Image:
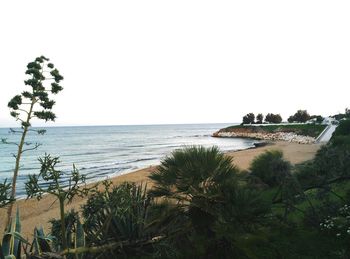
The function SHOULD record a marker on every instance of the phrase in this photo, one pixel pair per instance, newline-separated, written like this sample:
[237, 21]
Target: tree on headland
[340, 116]
[317, 118]
[259, 118]
[249, 118]
[299, 116]
[35, 103]
[273, 118]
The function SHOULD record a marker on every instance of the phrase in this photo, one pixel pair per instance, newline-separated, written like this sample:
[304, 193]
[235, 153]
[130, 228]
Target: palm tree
[199, 189]
[191, 178]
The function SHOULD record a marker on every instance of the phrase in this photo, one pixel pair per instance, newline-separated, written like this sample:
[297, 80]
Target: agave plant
[117, 222]
[53, 185]
[11, 246]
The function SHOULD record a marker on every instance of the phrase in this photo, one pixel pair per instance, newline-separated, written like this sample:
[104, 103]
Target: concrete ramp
[326, 135]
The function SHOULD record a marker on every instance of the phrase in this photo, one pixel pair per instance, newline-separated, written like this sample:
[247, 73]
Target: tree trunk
[18, 159]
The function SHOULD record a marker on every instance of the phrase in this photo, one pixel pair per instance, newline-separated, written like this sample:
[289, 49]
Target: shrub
[259, 118]
[204, 207]
[273, 118]
[118, 217]
[319, 118]
[249, 118]
[70, 220]
[343, 128]
[270, 167]
[299, 116]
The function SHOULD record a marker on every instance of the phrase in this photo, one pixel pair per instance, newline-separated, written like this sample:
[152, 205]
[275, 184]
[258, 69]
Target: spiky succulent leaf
[11, 244]
[79, 240]
[41, 243]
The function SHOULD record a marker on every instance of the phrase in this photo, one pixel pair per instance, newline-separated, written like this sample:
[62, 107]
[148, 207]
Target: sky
[160, 62]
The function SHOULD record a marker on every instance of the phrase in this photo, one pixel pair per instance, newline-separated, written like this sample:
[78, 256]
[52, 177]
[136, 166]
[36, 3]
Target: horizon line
[111, 125]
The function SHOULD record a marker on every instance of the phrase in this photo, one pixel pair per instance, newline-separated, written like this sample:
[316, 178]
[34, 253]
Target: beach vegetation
[35, 103]
[120, 222]
[270, 168]
[11, 245]
[49, 181]
[201, 205]
[343, 129]
[204, 204]
[5, 194]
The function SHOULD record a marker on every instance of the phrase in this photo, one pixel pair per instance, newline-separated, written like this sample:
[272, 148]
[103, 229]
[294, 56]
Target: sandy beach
[38, 213]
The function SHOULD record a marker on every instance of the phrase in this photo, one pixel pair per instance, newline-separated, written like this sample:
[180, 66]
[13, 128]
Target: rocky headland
[281, 133]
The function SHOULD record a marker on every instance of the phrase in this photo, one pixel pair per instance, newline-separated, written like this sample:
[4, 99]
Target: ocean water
[107, 151]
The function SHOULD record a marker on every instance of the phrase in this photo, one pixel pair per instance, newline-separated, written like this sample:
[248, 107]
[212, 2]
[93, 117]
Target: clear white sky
[150, 62]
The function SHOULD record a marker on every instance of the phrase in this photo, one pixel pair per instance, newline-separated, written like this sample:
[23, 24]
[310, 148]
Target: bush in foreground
[270, 167]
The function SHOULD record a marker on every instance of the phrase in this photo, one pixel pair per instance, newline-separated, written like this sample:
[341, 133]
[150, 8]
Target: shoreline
[38, 213]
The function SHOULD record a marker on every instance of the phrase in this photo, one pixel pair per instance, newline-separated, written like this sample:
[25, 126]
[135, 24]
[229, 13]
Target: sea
[102, 152]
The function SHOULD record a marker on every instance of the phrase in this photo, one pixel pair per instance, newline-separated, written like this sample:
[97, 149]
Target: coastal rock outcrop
[275, 136]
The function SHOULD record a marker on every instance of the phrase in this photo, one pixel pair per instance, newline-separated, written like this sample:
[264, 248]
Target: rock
[277, 136]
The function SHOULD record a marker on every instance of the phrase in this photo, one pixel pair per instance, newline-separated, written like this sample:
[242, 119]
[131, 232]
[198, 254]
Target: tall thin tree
[43, 80]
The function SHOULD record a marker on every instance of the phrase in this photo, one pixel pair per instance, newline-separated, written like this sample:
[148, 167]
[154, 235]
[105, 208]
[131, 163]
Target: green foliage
[119, 218]
[5, 197]
[318, 118]
[341, 116]
[15, 102]
[331, 162]
[71, 219]
[273, 118]
[203, 203]
[11, 246]
[300, 116]
[41, 243]
[260, 118]
[49, 181]
[249, 118]
[270, 167]
[341, 136]
[343, 128]
[38, 71]
[30, 104]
